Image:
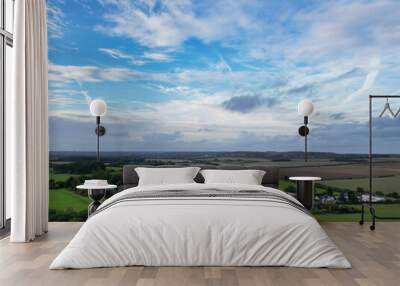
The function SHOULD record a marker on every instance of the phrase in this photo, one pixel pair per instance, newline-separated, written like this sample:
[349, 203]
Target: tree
[360, 190]
[342, 197]
[394, 195]
[52, 184]
[100, 174]
[329, 191]
[353, 198]
[79, 167]
[116, 179]
[320, 186]
[290, 189]
[72, 182]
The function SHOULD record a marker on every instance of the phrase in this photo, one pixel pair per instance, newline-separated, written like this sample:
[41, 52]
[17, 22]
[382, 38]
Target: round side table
[305, 190]
[96, 194]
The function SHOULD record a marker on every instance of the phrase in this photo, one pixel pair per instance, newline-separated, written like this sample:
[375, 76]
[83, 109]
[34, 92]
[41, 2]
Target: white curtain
[28, 123]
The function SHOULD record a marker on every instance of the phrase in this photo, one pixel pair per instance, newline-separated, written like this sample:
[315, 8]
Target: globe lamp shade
[98, 107]
[305, 107]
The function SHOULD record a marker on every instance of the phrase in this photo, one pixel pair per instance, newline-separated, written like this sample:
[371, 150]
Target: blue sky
[221, 75]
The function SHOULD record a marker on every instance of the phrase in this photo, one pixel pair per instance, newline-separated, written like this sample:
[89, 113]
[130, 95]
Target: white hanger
[387, 107]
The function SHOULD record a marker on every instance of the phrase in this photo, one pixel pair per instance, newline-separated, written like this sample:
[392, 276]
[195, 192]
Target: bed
[197, 224]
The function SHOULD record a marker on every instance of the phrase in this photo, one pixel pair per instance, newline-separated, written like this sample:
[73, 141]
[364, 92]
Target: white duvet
[193, 231]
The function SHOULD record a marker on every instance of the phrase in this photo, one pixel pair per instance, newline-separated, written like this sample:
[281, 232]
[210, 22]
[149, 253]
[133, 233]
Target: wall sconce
[98, 108]
[305, 108]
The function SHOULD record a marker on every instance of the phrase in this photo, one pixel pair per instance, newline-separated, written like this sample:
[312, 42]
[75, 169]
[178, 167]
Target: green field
[385, 185]
[62, 199]
[114, 169]
[283, 184]
[384, 210]
[61, 177]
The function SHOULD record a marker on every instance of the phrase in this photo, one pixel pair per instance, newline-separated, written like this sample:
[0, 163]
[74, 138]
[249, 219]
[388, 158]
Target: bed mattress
[201, 225]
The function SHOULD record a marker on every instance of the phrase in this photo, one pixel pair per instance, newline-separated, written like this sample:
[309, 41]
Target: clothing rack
[369, 205]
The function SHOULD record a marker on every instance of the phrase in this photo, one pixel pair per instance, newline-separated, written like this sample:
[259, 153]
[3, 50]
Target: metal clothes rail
[369, 204]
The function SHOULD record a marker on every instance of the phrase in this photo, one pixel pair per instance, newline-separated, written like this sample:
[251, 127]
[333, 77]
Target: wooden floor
[375, 257]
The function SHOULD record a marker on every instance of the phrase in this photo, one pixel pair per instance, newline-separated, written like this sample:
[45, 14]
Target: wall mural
[222, 76]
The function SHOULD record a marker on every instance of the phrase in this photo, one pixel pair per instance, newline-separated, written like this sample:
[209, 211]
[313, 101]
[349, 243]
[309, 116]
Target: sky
[211, 75]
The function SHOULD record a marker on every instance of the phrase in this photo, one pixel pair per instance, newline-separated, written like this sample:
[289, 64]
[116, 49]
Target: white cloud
[216, 76]
[136, 60]
[349, 27]
[373, 71]
[161, 57]
[333, 53]
[70, 73]
[222, 65]
[83, 92]
[117, 74]
[55, 20]
[180, 90]
[62, 96]
[170, 23]
[117, 54]
[198, 115]
[67, 73]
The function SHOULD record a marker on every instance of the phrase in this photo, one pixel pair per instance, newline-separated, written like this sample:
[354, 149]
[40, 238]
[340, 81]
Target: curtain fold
[28, 123]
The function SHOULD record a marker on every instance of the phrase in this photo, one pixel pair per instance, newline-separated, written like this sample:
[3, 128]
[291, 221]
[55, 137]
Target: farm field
[283, 184]
[341, 174]
[62, 199]
[114, 169]
[61, 177]
[385, 184]
[384, 210]
[342, 171]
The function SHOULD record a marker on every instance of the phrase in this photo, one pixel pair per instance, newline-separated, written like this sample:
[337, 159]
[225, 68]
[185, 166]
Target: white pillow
[248, 177]
[165, 176]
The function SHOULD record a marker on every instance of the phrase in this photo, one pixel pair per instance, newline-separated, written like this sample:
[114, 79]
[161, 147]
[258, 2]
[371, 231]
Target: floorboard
[375, 257]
